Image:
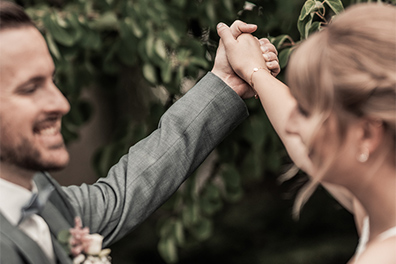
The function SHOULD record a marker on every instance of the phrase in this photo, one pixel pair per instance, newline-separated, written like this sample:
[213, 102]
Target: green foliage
[106, 43]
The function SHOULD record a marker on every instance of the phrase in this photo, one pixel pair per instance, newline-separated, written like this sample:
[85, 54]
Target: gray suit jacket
[149, 173]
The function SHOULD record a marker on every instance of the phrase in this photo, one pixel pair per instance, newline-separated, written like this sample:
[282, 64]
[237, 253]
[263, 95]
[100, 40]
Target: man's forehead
[15, 39]
[23, 55]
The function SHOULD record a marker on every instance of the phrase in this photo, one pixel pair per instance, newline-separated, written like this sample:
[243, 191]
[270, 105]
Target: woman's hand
[244, 53]
[270, 55]
[223, 69]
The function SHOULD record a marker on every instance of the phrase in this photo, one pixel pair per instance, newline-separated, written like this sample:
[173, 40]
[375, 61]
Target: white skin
[223, 69]
[31, 106]
[364, 188]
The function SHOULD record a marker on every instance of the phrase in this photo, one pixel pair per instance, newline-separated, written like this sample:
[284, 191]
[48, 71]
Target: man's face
[31, 106]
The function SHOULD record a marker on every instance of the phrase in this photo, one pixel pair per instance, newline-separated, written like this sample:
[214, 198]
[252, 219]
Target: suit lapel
[56, 223]
[57, 214]
[26, 246]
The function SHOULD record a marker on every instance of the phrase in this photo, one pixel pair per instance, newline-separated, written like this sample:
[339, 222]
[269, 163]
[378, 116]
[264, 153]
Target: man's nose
[57, 102]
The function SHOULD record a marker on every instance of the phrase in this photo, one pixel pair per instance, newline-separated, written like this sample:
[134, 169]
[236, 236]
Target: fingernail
[263, 48]
[220, 25]
[262, 42]
[266, 56]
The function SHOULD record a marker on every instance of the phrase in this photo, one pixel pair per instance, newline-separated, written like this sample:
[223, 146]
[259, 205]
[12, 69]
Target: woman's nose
[292, 122]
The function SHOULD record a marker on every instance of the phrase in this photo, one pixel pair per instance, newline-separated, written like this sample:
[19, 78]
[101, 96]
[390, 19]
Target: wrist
[253, 74]
[233, 81]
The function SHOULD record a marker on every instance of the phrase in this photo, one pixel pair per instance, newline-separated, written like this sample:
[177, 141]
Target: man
[31, 108]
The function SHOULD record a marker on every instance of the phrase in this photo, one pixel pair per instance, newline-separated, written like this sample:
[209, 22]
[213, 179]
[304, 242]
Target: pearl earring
[364, 156]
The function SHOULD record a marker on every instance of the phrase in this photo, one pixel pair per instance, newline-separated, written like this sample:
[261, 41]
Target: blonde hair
[349, 69]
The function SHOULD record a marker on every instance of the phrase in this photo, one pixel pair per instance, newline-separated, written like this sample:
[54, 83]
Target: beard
[25, 156]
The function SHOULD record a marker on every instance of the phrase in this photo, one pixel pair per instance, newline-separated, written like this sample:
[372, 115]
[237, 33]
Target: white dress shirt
[12, 198]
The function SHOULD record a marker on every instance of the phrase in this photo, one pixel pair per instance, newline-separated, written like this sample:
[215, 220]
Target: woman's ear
[372, 134]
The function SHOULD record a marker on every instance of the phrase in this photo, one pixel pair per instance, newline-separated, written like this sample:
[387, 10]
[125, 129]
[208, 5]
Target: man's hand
[223, 69]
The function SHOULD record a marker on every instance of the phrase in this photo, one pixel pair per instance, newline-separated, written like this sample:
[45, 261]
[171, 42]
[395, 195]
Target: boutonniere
[82, 246]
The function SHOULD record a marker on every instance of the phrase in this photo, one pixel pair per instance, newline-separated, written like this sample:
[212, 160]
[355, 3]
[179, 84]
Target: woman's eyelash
[302, 111]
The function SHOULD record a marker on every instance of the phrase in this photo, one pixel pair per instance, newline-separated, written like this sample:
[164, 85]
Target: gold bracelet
[251, 79]
[256, 70]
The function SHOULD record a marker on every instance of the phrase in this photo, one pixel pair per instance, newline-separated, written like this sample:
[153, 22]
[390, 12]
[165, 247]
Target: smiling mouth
[47, 130]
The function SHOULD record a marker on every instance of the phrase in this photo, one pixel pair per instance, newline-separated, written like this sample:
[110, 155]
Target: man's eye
[29, 89]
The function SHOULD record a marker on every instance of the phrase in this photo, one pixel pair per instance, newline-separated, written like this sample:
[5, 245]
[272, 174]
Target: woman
[338, 118]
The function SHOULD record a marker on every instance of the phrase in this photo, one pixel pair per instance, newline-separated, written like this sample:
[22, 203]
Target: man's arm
[156, 166]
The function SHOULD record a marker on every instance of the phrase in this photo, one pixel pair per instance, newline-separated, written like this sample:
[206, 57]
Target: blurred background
[122, 63]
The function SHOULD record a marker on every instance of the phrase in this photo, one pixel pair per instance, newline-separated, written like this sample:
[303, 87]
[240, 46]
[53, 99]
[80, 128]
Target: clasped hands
[239, 53]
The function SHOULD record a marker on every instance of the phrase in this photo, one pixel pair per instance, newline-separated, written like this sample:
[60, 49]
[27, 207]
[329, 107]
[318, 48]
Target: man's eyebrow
[35, 79]
[32, 80]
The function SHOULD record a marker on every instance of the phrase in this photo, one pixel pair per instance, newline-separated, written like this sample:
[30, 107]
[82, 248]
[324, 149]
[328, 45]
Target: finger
[274, 67]
[267, 46]
[239, 27]
[225, 34]
[264, 41]
[270, 56]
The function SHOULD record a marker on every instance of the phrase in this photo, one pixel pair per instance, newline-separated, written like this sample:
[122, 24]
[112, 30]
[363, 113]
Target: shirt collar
[12, 198]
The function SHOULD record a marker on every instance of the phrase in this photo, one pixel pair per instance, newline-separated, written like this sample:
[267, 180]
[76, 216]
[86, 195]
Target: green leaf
[64, 236]
[280, 40]
[166, 228]
[199, 61]
[168, 250]
[304, 26]
[315, 26]
[58, 32]
[335, 5]
[306, 10]
[149, 45]
[91, 39]
[228, 4]
[136, 29]
[52, 46]
[160, 49]
[231, 177]
[190, 214]
[203, 229]
[211, 199]
[210, 11]
[149, 73]
[166, 71]
[306, 16]
[179, 232]
[284, 56]
[106, 21]
[173, 34]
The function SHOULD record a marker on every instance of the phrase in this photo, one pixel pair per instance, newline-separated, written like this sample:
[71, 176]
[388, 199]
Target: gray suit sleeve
[156, 166]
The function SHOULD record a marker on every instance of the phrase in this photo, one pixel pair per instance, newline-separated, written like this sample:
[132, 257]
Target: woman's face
[321, 140]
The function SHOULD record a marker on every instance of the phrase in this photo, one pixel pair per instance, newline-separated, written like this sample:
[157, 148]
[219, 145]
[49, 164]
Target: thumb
[225, 34]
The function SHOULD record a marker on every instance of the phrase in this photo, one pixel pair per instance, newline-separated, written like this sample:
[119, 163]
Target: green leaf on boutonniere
[64, 238]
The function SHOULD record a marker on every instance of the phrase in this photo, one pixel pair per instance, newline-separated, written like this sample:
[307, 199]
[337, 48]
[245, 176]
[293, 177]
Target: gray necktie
[36, 204]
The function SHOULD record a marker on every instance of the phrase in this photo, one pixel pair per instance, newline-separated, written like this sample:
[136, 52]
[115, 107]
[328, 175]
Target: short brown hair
[13, 16]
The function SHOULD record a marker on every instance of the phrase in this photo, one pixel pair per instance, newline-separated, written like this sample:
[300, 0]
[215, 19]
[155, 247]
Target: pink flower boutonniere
[85, 248]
